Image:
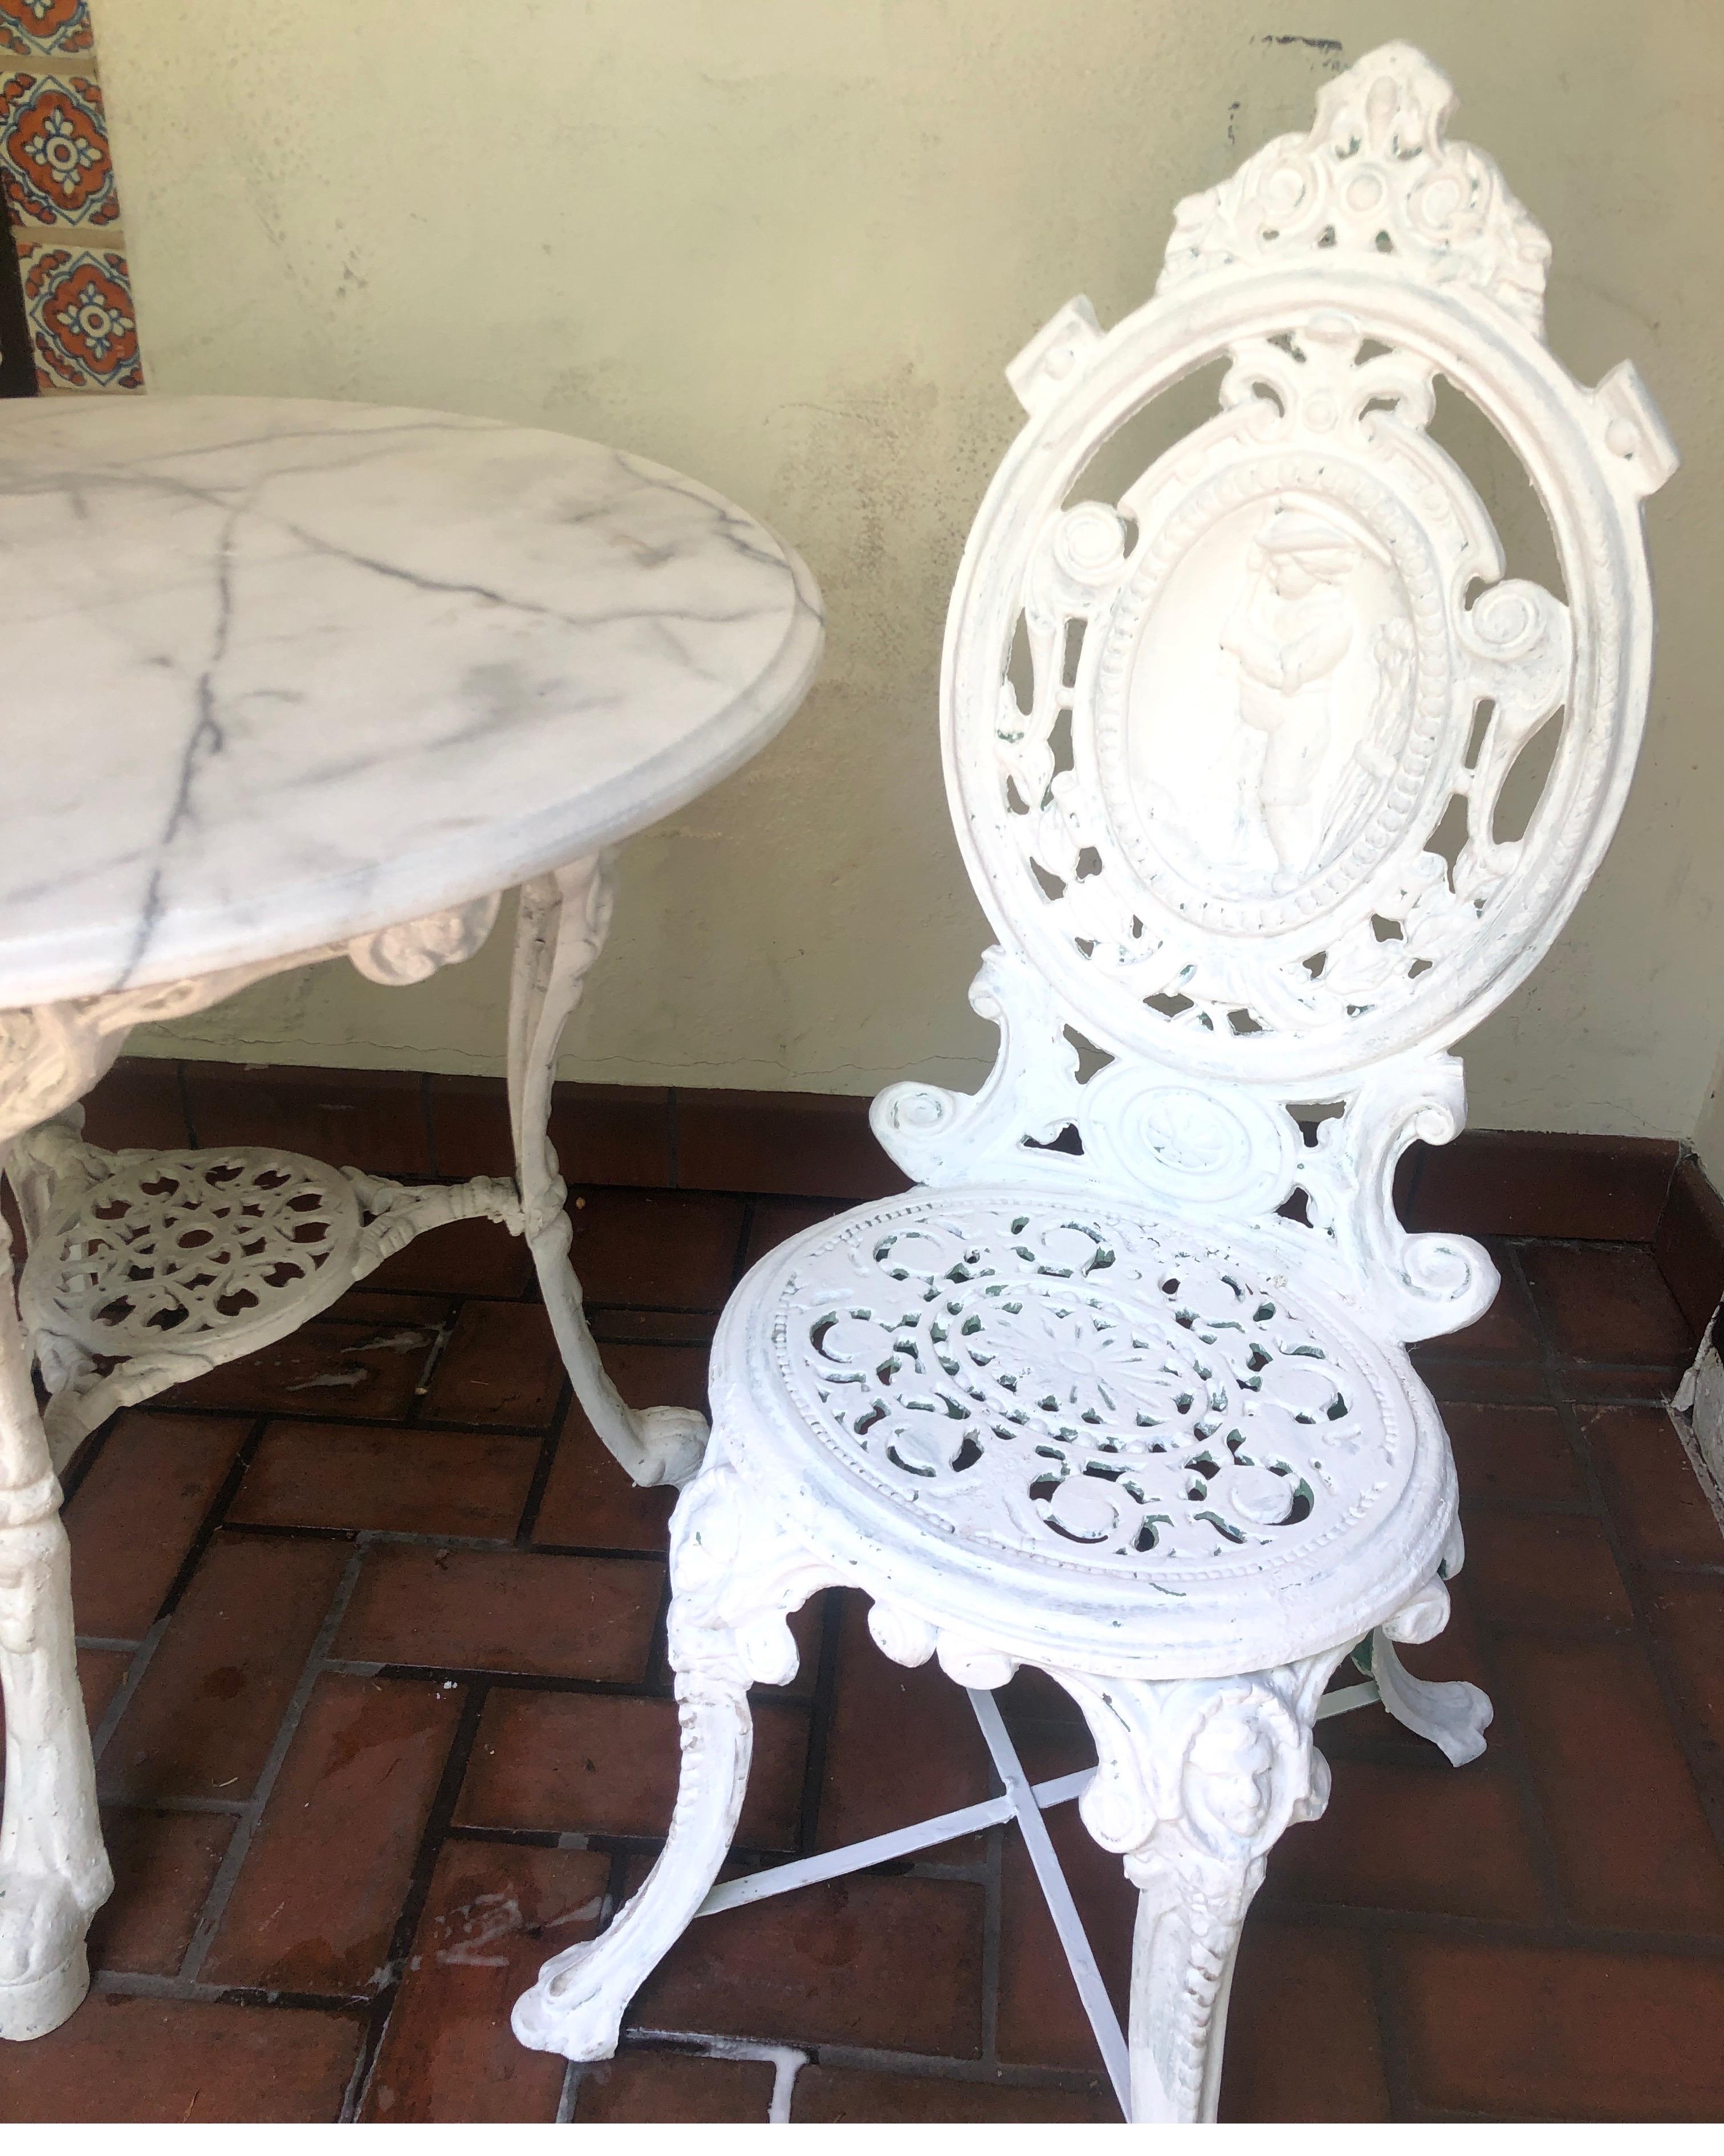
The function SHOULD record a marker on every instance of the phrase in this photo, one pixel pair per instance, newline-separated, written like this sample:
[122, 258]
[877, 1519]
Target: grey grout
[228, 1872]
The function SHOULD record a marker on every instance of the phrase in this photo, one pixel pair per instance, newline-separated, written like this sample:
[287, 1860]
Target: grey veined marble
[274, 673]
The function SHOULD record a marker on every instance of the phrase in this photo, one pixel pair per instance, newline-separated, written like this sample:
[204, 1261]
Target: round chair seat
[1070, 1428]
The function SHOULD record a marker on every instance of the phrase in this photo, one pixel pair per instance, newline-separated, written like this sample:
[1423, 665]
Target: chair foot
[1453, 1715]
[734, 1579]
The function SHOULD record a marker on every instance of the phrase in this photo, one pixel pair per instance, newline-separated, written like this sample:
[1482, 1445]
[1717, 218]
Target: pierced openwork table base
[147, 1268]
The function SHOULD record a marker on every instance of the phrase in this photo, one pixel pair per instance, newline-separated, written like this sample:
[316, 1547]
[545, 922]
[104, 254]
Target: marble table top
[275, 673]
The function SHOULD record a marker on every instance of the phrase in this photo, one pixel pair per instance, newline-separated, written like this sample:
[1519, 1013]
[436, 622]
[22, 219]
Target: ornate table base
[147, 1268]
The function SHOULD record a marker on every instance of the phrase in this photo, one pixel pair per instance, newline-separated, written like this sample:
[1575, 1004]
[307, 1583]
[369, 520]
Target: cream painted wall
[788, 245]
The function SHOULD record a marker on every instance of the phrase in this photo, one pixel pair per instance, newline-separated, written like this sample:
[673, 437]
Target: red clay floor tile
[404, 1481]
[1431, 1837]
[504, 1610]
[494, 1912]
[1526, 1182]
[466, 1257]
[1632, 1843]
[165, 1864]
[777, 1220]
[1689, 1244]
[204, 1717]
[499, 1366]
[374, 1119]
[1518, 1452]
[660, 1247]
[1542, 1568]
[817, 1144]
[137, 1511]
[1606, 1302]
[1302, 2040]
[846, 2095]
[650, 2085]
[579, 1763]
[612, 1134]
[101, 1671]
[1508, 1332]
[177, 2062]
[903, 1744]
[316, 1900]
[369, 1371]
[137, 1103]
[1042, 2021]
[1539, 2032]
[1453, 1377]
[894, 1963]
[1687, 1615]
[1654, 1494]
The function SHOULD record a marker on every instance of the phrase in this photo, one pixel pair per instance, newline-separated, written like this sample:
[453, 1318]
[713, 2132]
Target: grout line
[436, 1833]
[1391, 2047]
[185, 1091]
[549, 1446]
[128, 1683]
[911, 2065]
[136, 1983]
[821, 1706]
[992, 1919]
[89, 1451]
[228, 1872]
[207, 1526]
[745, 1237]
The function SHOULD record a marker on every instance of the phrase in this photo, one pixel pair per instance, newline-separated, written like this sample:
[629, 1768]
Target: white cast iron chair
[1118, 1413]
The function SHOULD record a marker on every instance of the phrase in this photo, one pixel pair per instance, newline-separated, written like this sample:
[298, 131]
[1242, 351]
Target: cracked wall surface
[787, 247]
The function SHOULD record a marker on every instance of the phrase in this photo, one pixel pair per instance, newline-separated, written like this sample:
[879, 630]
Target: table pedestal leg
[563, 921]
[54, 1871]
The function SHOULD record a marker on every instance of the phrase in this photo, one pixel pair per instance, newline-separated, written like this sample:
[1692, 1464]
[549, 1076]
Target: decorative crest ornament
[1375, 177]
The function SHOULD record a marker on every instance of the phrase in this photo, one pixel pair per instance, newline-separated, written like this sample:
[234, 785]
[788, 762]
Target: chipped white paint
[375, 666]
[1097, 1406]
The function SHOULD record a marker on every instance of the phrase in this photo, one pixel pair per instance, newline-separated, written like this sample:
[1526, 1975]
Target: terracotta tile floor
[374, 1645]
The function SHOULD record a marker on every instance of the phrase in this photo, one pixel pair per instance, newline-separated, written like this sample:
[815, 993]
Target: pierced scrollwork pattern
[1224, 802]
[1077, 1386]
[1375, 176]
[178, 1245]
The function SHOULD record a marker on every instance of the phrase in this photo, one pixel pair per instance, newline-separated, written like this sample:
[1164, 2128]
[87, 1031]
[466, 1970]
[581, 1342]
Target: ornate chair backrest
[1237, 823]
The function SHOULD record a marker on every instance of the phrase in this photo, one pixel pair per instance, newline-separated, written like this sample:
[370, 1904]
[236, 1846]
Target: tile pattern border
[62, 200]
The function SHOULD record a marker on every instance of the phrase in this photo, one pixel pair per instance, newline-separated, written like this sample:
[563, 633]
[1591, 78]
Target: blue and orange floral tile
[77, 301]
[45, 28]
[57, 181]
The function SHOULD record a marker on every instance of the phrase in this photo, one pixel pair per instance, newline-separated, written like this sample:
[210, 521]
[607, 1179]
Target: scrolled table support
[54, 1869]
[561, 929]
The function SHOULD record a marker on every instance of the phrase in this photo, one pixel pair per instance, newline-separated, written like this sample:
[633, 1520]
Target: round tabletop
[278, 673]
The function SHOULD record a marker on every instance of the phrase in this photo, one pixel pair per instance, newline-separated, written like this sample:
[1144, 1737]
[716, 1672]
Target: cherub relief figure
[1293, 626]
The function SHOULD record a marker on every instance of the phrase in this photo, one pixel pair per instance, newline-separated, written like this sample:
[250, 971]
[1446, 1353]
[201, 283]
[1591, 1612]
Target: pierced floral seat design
[1240, 761]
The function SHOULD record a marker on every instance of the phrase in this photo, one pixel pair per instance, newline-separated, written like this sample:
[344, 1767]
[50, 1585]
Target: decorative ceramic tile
[53, 151]
[78, 301]
[46, 27]
[58, 186]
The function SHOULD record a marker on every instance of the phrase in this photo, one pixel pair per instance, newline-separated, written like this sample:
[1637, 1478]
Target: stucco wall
[788, 245]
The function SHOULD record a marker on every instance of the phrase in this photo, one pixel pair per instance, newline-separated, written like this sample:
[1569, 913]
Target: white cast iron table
[282, 681]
